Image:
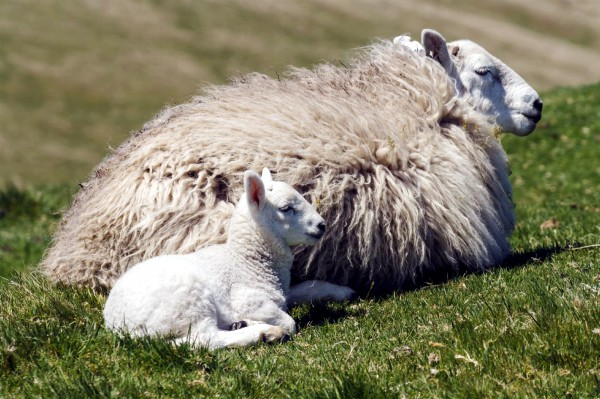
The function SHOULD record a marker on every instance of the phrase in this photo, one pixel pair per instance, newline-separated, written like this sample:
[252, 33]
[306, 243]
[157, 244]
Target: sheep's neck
[261, 252]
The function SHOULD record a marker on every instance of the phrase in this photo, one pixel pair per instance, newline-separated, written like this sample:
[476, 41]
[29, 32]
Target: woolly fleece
[410, 179]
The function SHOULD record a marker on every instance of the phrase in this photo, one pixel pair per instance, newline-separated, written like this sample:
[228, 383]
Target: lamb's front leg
[260, 312]
[214, 338]
[318, 290]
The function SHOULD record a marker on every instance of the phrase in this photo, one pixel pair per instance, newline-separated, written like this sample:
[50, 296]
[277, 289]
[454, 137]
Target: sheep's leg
[318, 290]
[214, 338]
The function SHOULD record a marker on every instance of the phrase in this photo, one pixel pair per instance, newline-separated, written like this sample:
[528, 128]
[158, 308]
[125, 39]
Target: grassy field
[76, 77]
[530, 328]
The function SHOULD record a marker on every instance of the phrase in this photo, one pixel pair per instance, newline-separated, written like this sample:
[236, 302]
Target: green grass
[530, 328]
[27, 218]
[77, 77]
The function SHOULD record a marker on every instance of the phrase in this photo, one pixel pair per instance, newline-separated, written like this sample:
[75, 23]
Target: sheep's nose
[321, 227]
[538, 104]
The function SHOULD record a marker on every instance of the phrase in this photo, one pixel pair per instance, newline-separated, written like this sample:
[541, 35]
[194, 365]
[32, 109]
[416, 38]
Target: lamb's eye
[286, 208]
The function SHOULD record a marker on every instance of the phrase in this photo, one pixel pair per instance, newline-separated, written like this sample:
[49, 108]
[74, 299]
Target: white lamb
[206, 297]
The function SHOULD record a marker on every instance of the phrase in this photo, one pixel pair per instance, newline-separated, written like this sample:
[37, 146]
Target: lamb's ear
[266, 176]
[255, 190]
[436, 48]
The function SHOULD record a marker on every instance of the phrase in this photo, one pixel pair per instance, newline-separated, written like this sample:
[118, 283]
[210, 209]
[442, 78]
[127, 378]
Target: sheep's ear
[255, 190]
[437, 48]
[266, 176]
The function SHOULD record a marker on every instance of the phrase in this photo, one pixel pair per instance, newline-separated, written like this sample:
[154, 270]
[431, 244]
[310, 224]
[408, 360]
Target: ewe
[398, 151]
[201, 296]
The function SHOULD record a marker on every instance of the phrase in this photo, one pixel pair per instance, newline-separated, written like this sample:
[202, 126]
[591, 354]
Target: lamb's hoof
[285, 338]
[237, 325]
[275, 335]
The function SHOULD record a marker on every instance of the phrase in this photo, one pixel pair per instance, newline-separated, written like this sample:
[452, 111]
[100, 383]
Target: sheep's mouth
[316, 236]
[535, 117]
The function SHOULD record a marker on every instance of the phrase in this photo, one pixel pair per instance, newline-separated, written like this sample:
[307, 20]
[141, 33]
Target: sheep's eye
[483, 71]
[286, 208]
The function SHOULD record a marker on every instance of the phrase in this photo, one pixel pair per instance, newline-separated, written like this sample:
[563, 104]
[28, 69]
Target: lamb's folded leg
[265, 312]
[318, 290]
[215, 338]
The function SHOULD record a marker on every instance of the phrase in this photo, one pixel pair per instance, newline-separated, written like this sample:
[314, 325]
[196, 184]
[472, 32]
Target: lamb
[199, 297]
[398, 150]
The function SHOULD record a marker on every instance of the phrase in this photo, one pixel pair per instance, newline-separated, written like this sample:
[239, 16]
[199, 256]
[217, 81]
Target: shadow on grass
[328, 312]
[431, 278]
[538, 255]
[320, 313]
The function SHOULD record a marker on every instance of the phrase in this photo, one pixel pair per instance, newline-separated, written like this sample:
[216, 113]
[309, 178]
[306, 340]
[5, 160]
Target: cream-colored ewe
[245, 282]
[399, 152]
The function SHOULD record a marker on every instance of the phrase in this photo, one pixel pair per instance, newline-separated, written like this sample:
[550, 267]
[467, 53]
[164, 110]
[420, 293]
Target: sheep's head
[282, 210]
[487, 83]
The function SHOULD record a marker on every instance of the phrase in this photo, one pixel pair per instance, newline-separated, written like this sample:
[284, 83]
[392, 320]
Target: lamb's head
[487, 83]
[282, 210]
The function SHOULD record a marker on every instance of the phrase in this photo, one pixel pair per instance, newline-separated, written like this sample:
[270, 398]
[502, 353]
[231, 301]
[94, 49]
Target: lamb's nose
[538, 104]
[321, 227]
